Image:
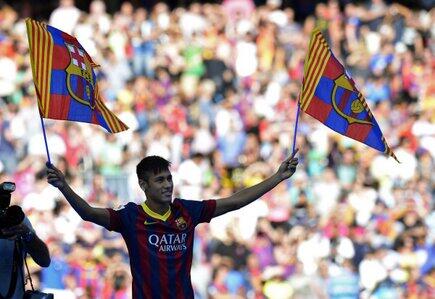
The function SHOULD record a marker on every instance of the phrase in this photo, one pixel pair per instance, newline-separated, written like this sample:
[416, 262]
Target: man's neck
[156, 207]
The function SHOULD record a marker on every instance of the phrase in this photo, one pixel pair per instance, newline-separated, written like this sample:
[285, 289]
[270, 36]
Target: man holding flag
[159, 232]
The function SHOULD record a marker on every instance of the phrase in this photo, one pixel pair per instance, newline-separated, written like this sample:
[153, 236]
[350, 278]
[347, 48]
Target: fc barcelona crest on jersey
[181, 223]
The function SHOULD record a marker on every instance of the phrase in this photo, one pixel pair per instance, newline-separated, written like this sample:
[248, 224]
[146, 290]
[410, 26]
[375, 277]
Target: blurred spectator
[66, 16]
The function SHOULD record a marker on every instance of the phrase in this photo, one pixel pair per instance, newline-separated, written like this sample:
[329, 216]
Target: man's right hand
[55, 177]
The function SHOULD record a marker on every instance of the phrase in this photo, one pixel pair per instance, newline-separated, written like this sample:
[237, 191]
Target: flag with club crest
[329, 95]
[65, 80]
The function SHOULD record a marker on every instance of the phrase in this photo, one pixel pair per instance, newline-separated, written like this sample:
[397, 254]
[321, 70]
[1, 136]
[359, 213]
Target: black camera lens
[9, 216]
[7, 186]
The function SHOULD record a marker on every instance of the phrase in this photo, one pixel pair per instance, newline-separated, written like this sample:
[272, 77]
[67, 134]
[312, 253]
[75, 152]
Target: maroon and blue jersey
[160, 246]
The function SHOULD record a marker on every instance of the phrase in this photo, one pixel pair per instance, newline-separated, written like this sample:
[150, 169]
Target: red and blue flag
[64, 78]
[329, 95]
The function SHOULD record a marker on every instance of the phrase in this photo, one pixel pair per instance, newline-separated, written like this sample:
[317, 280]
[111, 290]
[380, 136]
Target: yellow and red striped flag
[329, 95]
[64, 78]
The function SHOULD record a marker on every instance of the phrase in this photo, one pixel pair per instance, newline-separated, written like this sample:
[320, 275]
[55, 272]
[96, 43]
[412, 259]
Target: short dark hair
[154, 164]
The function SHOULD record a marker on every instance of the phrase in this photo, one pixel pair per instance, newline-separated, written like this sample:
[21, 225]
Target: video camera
[9, 215]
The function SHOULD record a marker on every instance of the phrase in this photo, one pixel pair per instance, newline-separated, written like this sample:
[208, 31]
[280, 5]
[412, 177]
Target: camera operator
[17, 237]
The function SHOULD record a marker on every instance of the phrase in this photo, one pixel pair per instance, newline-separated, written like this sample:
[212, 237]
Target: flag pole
[45, 139]
[296, 127]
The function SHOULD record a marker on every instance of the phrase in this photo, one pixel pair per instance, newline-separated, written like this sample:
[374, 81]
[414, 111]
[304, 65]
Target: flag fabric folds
[329, 95]
[64, 78]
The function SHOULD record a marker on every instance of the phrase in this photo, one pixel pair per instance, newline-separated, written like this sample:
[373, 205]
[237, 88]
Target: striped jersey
[161, 246]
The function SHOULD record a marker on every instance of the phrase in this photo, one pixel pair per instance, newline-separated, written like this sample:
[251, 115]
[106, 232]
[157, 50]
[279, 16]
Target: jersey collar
[155, 215]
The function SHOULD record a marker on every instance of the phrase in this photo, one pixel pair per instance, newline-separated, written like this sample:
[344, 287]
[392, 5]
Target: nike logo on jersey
[146, 222]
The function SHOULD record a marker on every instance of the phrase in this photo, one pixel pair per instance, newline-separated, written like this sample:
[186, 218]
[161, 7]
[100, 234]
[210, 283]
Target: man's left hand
[288, 167]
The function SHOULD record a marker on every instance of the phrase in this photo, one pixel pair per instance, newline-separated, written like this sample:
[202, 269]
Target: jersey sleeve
[200, 211]
[115, 222]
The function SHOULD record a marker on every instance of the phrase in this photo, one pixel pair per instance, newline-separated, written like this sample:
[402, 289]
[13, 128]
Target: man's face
[159, 186]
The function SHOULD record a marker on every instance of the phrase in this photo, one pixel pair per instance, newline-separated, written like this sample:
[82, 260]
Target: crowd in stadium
[213, 88]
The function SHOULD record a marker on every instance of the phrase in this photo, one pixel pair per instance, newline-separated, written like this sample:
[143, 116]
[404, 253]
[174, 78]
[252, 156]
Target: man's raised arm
[248, 195]
[99, 216]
